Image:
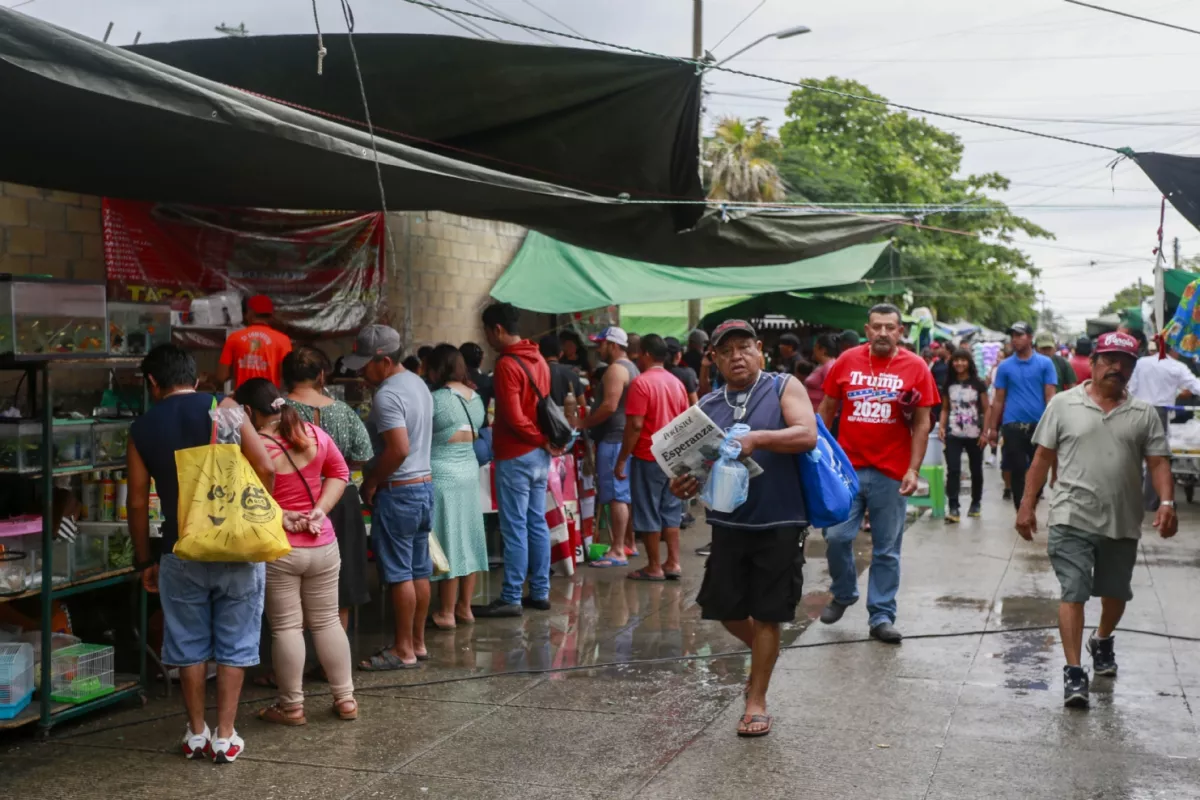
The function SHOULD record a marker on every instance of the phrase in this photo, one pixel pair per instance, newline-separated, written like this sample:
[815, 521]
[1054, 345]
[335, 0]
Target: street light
[787, 33]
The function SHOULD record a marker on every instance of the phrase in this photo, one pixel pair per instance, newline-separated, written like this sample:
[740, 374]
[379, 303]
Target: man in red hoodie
[522, 456]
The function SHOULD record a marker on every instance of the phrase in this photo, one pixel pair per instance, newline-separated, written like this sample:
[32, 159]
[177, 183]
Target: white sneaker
[226, 751]
[195, 745]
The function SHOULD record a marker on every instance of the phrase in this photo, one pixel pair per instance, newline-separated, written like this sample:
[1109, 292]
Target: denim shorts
[608, 488]
[654, 507]
[211, 611]
[401, 521]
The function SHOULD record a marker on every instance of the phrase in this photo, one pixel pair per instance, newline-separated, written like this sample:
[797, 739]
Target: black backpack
[551, 420]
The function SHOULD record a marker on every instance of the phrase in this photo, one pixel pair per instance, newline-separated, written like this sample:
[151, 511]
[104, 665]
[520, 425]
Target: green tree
[741, 162]
[1130, 296]
[846, 150]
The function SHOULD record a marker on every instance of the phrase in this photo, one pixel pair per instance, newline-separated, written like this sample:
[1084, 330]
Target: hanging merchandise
[1183, 334]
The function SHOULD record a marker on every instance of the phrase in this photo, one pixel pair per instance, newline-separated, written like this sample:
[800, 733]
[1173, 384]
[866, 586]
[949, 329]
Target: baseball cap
[725, 329]
[698, 336]
[673, 345]
[372, 341]
[1044, 339]
[1117, 342]
[1019, 327]
[612, 334]
[261, 304]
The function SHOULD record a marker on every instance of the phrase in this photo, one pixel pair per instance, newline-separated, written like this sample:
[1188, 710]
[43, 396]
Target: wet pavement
[621, 690]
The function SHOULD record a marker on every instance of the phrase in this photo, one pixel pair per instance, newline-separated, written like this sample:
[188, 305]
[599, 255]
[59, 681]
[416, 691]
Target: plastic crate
[16, 678]
[81, 673]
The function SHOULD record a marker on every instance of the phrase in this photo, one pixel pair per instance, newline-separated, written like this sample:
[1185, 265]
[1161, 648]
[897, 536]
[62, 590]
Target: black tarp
[1178, 178]
[82, 116]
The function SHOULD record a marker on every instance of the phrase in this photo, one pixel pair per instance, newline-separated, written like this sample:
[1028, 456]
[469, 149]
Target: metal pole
[47, 541]
[696, 307]
[1176, 261]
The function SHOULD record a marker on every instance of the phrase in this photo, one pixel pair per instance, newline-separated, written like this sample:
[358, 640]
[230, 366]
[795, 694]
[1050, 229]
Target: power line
[481, 33]
[546, 13]
[702, 66]
[1132, 16]
[492, 10]
[981, 60]
[733, 30]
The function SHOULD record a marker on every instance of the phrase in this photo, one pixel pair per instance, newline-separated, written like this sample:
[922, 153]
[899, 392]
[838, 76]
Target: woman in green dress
[457, 511]
[304, 373]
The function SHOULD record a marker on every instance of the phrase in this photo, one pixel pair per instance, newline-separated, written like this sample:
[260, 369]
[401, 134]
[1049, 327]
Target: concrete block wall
[455, 261]
[46, 232]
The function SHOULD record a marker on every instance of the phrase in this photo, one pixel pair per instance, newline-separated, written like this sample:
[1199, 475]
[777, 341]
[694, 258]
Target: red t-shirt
[1083, 367]
[873, 430]
[255, 352]
[658, 396]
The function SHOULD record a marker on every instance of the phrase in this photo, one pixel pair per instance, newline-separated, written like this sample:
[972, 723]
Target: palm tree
[740, 162]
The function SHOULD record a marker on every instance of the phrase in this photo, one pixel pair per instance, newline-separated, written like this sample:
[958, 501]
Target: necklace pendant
[739, 413]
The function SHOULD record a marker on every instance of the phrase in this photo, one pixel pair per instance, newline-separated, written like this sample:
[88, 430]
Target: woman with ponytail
[303, 585]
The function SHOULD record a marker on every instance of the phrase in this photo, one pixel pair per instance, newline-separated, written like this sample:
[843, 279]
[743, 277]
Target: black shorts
[757, 574]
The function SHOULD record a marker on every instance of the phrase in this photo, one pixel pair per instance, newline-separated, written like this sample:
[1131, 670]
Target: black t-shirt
[564, 381]
[941, 372]
[787, 363]
[687, 376]
[580, 362]
[693, 359]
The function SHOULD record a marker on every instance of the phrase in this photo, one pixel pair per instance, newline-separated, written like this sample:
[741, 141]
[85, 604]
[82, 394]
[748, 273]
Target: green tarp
[553, 277]
[803, 308]
[669, 317]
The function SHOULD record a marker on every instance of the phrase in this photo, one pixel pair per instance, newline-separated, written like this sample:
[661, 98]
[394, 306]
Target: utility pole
[696, 307]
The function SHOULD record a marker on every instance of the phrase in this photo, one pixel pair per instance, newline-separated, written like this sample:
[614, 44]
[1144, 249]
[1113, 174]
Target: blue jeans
[211, 611]
[521, 486]
[880, 495]
[403, 517]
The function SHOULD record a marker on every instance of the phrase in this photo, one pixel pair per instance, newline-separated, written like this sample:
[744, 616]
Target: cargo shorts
[1090, 565]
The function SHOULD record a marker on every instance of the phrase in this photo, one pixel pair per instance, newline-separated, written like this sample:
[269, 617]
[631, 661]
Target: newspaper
[689, 444]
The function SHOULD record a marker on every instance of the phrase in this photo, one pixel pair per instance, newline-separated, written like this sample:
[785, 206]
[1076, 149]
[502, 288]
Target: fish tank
[72, 443]
[134, 329]
[21, 445]
[110, 441]
[43, 318]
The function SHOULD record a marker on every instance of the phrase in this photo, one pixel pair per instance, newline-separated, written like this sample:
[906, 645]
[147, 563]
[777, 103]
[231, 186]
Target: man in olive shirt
[1067, 379]
[1099, 435]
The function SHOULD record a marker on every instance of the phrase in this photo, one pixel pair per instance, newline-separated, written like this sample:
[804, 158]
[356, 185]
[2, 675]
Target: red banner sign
[325, 271]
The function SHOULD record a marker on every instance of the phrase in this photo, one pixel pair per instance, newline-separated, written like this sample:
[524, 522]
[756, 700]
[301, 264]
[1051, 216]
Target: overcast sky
[1131, 83]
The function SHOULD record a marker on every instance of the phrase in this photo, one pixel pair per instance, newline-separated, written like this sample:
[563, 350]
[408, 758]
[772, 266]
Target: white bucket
[934, 456]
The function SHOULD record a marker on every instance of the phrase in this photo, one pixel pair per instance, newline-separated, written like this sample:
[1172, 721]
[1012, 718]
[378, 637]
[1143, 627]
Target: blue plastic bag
[728, 483]
[829, 481]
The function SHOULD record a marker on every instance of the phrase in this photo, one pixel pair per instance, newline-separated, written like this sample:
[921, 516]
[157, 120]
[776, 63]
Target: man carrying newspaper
[753, 578]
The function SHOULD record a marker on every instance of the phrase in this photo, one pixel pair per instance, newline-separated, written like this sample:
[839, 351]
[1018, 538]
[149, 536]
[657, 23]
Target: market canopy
[804, 308]
[554, 277]
[580, 144]
[668, 317]
[1178, 178]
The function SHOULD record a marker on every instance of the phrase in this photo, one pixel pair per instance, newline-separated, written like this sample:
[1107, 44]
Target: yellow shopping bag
[225, 514]
[441, 565]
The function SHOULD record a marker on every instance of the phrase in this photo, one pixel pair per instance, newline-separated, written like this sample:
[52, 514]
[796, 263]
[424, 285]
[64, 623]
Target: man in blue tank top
[753, 578]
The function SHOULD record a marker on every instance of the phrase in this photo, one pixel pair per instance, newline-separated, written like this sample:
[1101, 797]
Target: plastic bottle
[108, 500]
[122, 498]
[90, 505]
[155, 505]
[571, 410]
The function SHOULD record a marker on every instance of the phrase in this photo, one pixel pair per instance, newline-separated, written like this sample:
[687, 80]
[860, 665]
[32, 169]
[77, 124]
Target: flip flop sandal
[672, 576]
[266, 681]
[642, 575]
[279, 715]
[386, 661]
[754, 719]
[430, 622]
[423, 656]
[606, 563]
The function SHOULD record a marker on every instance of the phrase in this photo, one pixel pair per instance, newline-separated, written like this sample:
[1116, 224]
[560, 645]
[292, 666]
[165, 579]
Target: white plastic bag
[728, 483]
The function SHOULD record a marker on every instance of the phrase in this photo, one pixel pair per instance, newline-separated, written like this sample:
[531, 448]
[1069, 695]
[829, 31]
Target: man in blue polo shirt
[1024, 385]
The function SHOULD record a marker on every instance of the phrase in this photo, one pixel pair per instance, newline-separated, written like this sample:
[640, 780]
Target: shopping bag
[441, 564]
[728, 484]
[828, 479]
[225, 513]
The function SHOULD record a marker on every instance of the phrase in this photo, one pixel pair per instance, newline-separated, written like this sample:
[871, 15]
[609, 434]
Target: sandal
[642, 575]
[346, 708]
[266, 681]
[672, 575]
[386, 661]
[747, 720]
[292, 716]
[607, 562]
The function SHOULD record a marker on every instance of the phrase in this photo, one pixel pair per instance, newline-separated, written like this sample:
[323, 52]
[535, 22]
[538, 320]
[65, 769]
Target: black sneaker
[1008, 494]
[539, 605]
[952, 516]
[704, 551]
[1104, 660]
[833, 612]
[973, 511]
[1075, 687]
[687, 521]
[498, 608]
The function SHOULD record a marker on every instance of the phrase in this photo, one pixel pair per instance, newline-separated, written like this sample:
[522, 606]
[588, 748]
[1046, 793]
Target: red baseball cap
[1117, 342]
[261, 304]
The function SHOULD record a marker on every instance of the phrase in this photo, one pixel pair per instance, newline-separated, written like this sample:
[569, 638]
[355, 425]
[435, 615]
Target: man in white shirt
[1159, 381]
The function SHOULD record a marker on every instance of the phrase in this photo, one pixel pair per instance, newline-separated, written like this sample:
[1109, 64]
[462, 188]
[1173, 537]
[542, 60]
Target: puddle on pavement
[1023, 611]
[1167, 561]
[955, 601]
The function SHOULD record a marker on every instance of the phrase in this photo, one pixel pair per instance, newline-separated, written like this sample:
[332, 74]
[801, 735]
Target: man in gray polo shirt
[397, 485]
[1100, 435]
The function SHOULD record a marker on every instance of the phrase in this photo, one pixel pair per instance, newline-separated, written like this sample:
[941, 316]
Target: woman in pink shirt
[310, 476]
[824, 354]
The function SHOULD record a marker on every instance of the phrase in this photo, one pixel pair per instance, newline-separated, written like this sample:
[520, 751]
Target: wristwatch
[1170, 503]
